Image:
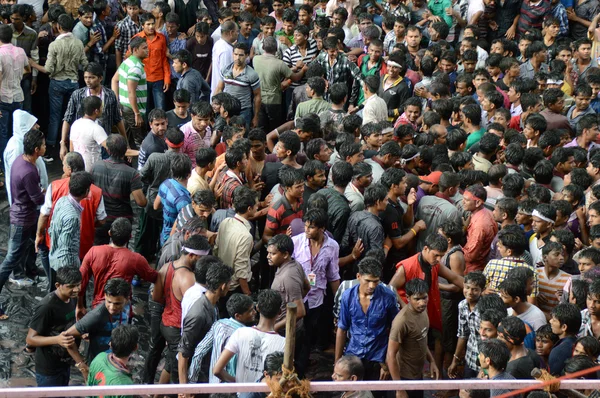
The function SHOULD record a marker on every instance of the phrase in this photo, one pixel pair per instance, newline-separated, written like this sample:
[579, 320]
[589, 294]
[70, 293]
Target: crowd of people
[422, 179]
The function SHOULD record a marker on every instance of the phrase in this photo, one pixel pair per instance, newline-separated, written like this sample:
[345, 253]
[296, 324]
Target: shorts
[172, 335]
[450, 322]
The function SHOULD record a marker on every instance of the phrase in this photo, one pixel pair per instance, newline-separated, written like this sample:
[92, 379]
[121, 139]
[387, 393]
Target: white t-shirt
[87, 137]
[189, 298]
[252, 347]
[474, 7]
[533, 316]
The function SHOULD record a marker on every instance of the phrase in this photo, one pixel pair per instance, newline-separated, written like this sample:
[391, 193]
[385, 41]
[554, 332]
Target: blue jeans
[247, 114]
[6, 124]
[60, 92]
[158, 95]
[20, 246]
[59, 380]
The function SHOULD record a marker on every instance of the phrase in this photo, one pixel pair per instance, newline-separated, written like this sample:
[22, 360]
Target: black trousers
[172, 336]
[157, 343]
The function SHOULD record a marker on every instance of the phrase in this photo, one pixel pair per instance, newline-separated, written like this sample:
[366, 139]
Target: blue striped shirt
[64, 233]
[174, 197]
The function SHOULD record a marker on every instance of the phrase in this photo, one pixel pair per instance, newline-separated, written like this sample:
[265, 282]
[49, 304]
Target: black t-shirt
[100, 324]
[521, 368]
[201, 54]
[392, 225]
[51, 317]
[175, 121]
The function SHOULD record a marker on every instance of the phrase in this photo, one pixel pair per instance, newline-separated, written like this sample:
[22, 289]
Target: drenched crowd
[422, 179]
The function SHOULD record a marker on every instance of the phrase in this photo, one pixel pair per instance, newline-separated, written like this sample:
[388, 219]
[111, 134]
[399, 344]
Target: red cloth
[221, 148]
[171, 316]
[90, 205]
[515, 123]
[480, 234]
[106, 262]
[412, 270]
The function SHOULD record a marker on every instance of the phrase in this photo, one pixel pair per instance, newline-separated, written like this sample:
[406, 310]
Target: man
[222, 53]
[26, 197]
[338, 68]
[408, 339]
[252, 345]
[93, 210]
[155, 171]
[362, 177]
[13, 63]
[55, 314]
[350, 368]
[587, 132]
[202, 315]
[241, 81]
[389, 153]
[191, 79]
[87, 137]
[65, 226]
[375, 108]
[289, 206]
[112, 369]
[536, 54]
[367, 300]
[114, 260]
[99, 323]
[118, 182]
[174, 279]
[290, 281]
[316, 178]
[494, 356]
[65, 56]
[584, 61]
[301, 53]
[481, 228]
[242, 311]
[156, 64]
[155, 139]
[130, 84]
[111, 115]
[198, 132]
[128, 27]
[338, 210]
[234, 241]
[26, 38]
[315, 90]
[318, 254]
[271, 72]
[543, 219]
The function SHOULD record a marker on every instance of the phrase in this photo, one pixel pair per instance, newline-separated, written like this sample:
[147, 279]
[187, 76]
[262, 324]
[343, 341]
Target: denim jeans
[20, 246]
[6, 124]
[247, 114]
[135, 134]
[60, 92]
[158, 95]
[157, 342]
[59, 380]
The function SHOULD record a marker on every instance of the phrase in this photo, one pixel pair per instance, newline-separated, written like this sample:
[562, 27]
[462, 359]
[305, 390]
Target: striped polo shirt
[281, 214]
[174, 197]
[292, 55]
[241, 86]
[133, 69]
[548, 288]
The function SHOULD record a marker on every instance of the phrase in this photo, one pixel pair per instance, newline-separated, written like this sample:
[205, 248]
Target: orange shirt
[156, 65]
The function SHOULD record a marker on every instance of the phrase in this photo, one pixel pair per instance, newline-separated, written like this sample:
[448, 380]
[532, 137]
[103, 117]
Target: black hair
[586, 122]
[566, 238]
[514, 240]
[581, 362]
[34, 139]
[341, 173]
[514, 288]
[369, 266]
[243, 198]
[316, 217]
[273, 363]
[436, 242]
[290, 141]
[68, 275]
[202, 109]
[512, 185]
[455, 138]
[204, 197]
[580, 288]
[568, 314]
[373, 194]
[338, 92]
[489, 143]
[317, 201]
[496, 351]
[124, 340]
[492, 316]
[543, 172]
[458, 160]
[416, 286]
[282, 243]
[513, 329]
[477, 278]
[79, 184]
[391, 176]
[473, 113]
[539, 193]
[120, 231]
[590, 344]
[217, 274]
[182, 96]
[5, 34]
[289, 176]
[453, 231]
[117, 287]
[181, 166]
[269, 303]
[205, 156]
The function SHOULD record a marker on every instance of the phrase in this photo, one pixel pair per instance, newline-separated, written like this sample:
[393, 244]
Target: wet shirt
[99, 323]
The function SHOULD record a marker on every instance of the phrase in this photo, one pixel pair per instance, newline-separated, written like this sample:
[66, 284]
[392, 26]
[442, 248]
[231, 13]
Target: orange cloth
[157, 64]
[480, 233]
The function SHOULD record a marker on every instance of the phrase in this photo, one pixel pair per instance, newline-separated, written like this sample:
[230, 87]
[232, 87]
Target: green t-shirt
[104, 373]
[474, 138]
[133, 69]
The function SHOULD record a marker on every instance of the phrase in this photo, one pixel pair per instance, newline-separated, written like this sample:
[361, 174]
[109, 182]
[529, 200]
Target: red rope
[541, 385]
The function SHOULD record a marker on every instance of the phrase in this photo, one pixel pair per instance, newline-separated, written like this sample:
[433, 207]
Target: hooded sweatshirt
[22, 123]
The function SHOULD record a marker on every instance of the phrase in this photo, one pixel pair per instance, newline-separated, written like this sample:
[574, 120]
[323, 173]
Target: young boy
[544, 341]
[551, 278]
[491, 102]
[371, 137]
[492, 64]
[267, 28]
[468, 323]
[510, 67]
[493, 357]
[179, 115]
[565, 323]
[534, 126]
[583, 96]
[200, 45]
[408, 337]
[111, 369]
[591, 315]
[523, 218]
[47, 330]
[128, 28]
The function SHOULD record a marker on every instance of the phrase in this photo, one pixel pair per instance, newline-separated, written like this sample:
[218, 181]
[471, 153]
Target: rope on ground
[289, 386]
[549, 382]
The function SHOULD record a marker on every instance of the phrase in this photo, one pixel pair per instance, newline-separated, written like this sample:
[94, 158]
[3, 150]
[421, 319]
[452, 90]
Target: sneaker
[22, 283]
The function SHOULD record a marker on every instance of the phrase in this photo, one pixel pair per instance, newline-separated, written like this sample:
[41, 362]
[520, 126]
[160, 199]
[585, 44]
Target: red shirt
[106, 262]
[90, 205]
[412, 270]
[156, 64]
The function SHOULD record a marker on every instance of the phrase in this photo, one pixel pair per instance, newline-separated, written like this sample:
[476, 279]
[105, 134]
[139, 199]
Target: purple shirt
[325, 266]
[26, 193]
